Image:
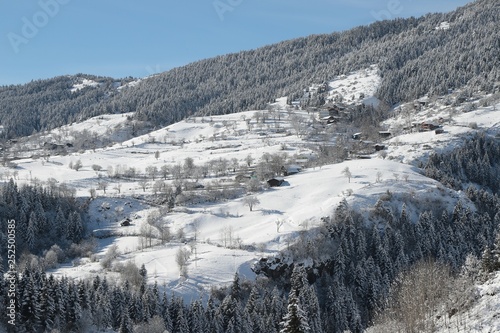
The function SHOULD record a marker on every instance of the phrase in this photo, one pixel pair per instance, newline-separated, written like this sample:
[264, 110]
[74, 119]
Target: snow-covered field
[409, 145]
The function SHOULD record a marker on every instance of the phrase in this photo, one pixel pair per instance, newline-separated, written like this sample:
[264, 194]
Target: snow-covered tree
[295, 320]
[251, 201]
[347, 173]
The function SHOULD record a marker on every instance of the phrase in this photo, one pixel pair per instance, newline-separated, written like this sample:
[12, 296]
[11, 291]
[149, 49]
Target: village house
[291, 169]
[275, 182]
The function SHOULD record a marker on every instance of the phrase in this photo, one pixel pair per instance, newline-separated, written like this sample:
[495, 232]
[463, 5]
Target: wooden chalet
[275, 182]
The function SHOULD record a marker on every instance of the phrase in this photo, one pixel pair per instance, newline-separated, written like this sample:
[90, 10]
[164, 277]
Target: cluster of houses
[334, 113]
[426, 126]
[56, 147]
[277, 181]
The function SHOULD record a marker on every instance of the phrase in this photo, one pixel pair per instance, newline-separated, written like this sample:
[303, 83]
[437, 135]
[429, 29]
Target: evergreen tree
[30, 311]
[495, 252]
[144, 278]
[198, 322]
[182, 322]
[295, 321]
[60, 224]
[336, 311]
[32, 231]
[236, 288]
[126, 325]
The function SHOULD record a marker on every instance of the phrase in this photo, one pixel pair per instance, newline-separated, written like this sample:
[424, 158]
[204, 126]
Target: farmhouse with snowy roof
[275, 182]
[291, 169]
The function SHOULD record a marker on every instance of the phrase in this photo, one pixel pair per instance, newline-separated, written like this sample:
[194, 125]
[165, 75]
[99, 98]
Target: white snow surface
[83, 84]
[409, 145]
[443, 26]
[358, 86]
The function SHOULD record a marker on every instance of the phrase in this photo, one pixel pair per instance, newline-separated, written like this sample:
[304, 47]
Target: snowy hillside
[230, 237]
[359, 86]
[410, 142]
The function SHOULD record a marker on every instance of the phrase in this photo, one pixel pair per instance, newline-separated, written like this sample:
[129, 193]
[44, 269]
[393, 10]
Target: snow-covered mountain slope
[359, 86]
[410, 142]
[229, 236]
[84, 83]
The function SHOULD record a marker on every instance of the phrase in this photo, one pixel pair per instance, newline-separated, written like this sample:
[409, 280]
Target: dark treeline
[331, 280]
[363, 263]
[43, 217]
[413, 56]
[476, 162]
[46, 104]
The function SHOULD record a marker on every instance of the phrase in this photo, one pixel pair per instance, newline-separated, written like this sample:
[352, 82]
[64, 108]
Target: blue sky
[45, 38]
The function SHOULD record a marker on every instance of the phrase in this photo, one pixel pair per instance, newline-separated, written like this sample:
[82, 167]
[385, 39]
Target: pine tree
[236, 288]
[214, 321]
[227, 309]
[29, 307]
[47, 305]
[32, 231]
[495, 252]
[295, 321]
[73, 309]
[312, 309]
[144, 278]
[74, 230]
[60, 223]
[103, 316]
[60, 301]
[182, 322]
[126, 325]
[198, 321]
[165, 313]
[336, 311]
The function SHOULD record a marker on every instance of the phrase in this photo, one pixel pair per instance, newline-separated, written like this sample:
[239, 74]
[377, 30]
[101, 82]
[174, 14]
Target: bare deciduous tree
[415, 298]
[164, 171]
[181, 258]
[347, 173]
[147, 235]
[102, 185]
[117, 187]
[251, 201]
[111, 254]
[279, 224]
[77, 165]
[143, 183]
[249, 160]
[151, 171]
